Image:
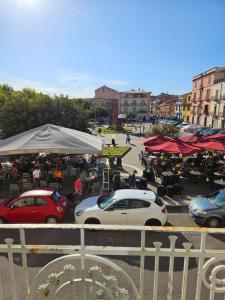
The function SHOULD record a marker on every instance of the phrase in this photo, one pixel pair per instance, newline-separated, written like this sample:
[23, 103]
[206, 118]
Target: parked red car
[34, 206]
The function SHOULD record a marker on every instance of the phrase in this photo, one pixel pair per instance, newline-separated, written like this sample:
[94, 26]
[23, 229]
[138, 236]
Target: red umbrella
[213, 145]
[174, 147]
[156, 140]
[191, 138]
[218, 137]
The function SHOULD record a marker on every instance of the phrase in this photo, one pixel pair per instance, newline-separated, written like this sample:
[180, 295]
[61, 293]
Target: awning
[51, 139]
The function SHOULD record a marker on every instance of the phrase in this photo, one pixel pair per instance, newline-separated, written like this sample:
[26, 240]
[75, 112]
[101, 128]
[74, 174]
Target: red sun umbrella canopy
[191, 138]
[156, 140]
[174, 147]
[217, 137]
[213, 145]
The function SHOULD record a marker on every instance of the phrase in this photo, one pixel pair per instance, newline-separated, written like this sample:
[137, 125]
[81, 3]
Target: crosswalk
[172, 202]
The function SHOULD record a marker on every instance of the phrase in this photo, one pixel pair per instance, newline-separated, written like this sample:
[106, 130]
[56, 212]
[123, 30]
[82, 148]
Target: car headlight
[201, 212]
[79, 213]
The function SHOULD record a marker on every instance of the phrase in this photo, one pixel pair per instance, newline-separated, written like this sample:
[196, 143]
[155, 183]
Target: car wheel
[51, 220]
[92, 221]
[213, 222]
[153, 222]
[2, 220]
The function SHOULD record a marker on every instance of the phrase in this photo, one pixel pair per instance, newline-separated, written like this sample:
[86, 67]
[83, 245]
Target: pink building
[202, 88]
[105, 92]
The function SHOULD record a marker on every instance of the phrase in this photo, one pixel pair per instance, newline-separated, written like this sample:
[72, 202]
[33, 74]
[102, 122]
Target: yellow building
[187, 107]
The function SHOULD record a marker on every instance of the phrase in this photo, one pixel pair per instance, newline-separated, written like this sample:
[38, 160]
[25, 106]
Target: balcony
[95, 263]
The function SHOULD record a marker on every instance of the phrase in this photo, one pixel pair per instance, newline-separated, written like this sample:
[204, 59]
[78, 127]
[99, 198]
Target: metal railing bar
[24, 262]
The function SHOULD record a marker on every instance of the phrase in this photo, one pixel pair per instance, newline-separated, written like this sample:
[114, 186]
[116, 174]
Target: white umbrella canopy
[51, 139]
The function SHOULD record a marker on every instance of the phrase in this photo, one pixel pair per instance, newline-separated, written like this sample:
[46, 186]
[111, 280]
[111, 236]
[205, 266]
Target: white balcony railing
[81, 272]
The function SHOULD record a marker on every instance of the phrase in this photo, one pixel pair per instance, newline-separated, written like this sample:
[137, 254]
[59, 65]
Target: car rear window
[56, 196]
[158, 201]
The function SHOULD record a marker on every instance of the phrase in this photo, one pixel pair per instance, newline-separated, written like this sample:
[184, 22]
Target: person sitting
[132, 179]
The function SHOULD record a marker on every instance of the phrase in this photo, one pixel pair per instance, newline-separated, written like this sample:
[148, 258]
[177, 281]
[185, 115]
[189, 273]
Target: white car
[122, 207]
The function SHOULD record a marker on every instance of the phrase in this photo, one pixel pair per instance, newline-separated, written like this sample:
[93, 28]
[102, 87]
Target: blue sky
[74, 46]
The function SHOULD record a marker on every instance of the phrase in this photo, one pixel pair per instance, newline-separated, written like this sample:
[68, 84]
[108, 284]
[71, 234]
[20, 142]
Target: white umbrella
[51, 139]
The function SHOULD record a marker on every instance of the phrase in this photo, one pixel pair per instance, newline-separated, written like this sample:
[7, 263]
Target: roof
[211, 70]
[135, 194]
[37, 192]
[135, 92]
[106, 87]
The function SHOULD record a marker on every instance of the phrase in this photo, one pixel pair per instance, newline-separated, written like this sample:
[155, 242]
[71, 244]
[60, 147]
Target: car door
[41, 209]
[138, 212]
[21, 211]
[116, 214]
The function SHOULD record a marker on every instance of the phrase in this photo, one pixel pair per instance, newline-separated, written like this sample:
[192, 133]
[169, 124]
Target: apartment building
[202, 92]
[217, 110]
[135, 103]
[109, 98]
[187, 107]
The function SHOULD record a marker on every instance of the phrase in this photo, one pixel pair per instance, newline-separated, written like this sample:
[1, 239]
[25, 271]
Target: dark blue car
[209, 210]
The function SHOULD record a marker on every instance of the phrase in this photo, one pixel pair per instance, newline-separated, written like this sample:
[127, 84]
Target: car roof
[135, 194]
[37, 192]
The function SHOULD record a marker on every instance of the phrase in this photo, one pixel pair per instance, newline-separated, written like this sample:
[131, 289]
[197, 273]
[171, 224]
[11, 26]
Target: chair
[26, 175]
[53, 185]
[27, 186]
[14, 188]
[73, 172]
[43, 183]
[96, 187]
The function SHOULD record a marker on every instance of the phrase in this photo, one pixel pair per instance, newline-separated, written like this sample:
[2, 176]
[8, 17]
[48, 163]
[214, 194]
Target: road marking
[140, 171]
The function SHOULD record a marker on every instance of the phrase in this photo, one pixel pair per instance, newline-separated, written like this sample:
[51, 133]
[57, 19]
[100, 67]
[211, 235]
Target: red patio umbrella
[174, 147]
[191, 138]
[217, 137]
[213, 145]
[156, 140]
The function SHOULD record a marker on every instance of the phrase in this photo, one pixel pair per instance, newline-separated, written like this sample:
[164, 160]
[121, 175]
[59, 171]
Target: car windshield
[218, 198]
[56, 196]
[105, 201]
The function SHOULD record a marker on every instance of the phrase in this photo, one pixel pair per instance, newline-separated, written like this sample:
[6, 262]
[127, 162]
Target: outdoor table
[220, 182]
[221, 162]
[219, 175]
[167, 173]
[195, 173]
[195, 176]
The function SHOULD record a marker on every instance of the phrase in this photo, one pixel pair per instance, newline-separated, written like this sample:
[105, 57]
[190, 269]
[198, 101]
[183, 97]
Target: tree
[167, 130]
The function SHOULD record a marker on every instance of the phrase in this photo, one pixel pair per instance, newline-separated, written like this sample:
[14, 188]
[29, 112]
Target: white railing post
[157, 246]
[172, 239]
[142, 266]
[200, 266]
[11, 268]
[24, 262]
[82, 241]
[187, 247]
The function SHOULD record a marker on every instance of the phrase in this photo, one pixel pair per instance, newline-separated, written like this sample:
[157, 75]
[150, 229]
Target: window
[217, 94]
[209, 79]
[218, 198]
[55, 196]
[105, 201]
[194, 97]
[135, 203]
[41, 202]
[122, 204]
[195, 83]
[24, 202]
[207, 94]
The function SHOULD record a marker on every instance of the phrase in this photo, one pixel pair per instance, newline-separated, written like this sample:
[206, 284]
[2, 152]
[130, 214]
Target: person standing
[132, 179]
[37, 176]
[128, 138]
[113, 141]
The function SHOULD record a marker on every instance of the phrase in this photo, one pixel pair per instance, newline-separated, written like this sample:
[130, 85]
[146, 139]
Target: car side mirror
[12, 207]
[110, 208]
